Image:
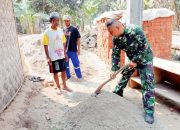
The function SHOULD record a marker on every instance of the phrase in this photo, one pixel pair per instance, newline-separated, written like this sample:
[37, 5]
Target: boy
[54, 45]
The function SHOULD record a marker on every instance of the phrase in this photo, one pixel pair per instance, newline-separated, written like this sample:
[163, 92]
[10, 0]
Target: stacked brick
[159, 35]
[158, 32]
[104, 40]
[11, 72]
[104, 44]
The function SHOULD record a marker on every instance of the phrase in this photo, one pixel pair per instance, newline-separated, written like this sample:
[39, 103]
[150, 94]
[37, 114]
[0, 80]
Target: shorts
[57, 66]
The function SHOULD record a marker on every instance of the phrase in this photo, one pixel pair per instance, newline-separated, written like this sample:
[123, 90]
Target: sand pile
[33, 53]
[78, 110]
[107, 112]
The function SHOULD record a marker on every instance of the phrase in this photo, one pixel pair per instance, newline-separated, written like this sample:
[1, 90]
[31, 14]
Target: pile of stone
[89, 39]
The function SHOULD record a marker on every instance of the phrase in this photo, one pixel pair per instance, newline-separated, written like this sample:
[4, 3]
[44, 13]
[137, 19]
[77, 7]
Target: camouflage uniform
[138, 50]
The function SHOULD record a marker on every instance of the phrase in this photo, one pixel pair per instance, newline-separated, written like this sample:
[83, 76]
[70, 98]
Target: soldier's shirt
[134, 43]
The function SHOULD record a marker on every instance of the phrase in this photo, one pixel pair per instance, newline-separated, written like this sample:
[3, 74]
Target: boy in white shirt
[54, 45]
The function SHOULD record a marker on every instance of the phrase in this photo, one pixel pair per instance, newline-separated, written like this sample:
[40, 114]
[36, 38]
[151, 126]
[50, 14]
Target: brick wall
[104, 43]
[104, 40]
[11, 74]
[157, 31]
[159, 35]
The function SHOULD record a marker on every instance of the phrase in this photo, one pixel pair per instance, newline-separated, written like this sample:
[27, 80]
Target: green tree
[23, 12]
[148, 4]
[89, 10]
[174, 5]
[177, 13]
[118, 5]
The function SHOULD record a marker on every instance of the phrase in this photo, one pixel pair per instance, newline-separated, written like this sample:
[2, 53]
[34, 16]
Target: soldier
[132, 40]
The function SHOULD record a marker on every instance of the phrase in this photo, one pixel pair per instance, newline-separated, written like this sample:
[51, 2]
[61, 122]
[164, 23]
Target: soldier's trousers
[147, 83]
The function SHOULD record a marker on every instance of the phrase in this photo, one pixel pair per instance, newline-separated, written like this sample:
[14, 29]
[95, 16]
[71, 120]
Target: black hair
[112, 22]
[50, 20]
[109, 22]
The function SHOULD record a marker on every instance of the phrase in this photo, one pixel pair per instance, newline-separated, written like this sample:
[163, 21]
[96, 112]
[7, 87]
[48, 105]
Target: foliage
[174, 5]
[148, 4]
[24, 13]
[118, 5]
[83, 11]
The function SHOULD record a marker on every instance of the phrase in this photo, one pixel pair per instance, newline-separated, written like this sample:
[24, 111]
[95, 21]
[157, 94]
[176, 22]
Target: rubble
[89, 39]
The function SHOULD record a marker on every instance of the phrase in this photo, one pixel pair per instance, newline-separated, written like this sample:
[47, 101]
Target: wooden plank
[159, 75]
[167, 92]
[172, 78]
[161, 89]
[135, 82]
[173, 67]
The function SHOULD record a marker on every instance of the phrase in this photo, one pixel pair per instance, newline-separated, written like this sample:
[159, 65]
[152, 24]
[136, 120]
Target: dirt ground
[38, 107]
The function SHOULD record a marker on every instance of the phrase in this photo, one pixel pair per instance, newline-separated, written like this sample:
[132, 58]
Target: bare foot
[59, 91]
[67, 89]
[97, 92]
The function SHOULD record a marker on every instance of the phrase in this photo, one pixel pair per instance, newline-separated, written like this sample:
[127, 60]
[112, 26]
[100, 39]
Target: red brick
[158, 33]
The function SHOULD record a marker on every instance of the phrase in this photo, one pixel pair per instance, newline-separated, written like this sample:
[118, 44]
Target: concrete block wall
[158, 32]
[11, 71]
